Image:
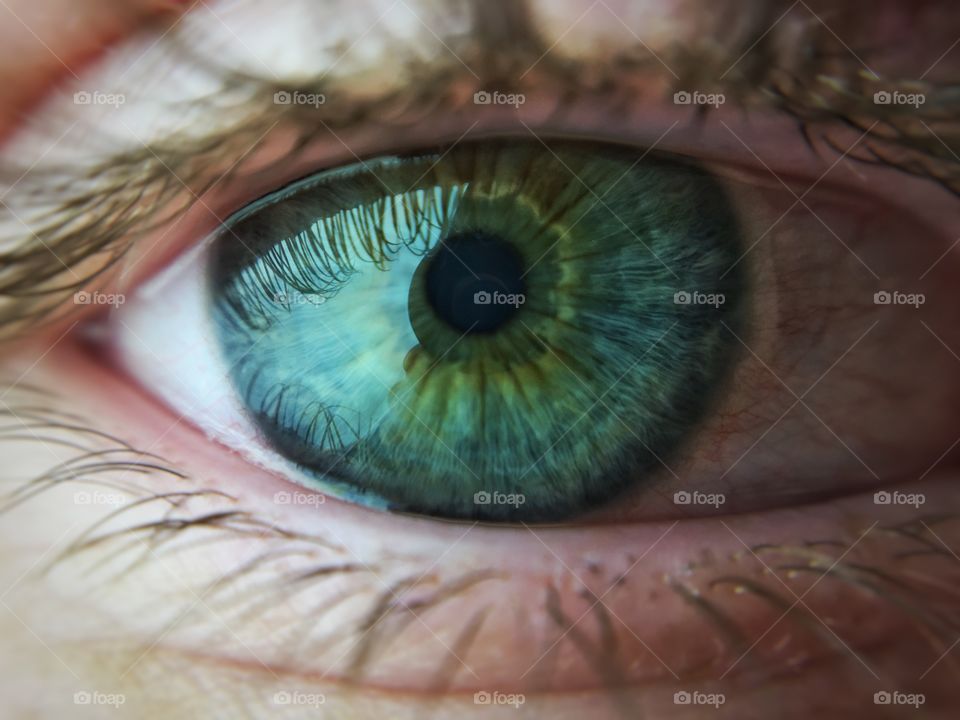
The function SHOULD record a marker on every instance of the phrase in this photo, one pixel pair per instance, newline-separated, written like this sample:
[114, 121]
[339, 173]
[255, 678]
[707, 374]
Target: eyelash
[36, 288]
[925, 596]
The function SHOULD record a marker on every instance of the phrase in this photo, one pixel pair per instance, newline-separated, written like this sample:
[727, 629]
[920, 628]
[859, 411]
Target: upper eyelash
[39, 271]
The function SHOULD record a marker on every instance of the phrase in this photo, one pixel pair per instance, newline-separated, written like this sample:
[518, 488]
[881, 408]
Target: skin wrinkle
[152, 177]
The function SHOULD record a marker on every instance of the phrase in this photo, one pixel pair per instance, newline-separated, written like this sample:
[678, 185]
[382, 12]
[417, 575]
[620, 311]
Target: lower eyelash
[928, 599]
[902, 569]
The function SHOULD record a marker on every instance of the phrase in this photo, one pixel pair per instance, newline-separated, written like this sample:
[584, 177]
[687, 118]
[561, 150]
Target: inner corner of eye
[500, 330]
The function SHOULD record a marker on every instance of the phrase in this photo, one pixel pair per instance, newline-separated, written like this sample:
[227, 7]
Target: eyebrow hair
[80, 219]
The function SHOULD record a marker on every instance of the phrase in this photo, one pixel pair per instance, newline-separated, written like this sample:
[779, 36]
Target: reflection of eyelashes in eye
[824, 90]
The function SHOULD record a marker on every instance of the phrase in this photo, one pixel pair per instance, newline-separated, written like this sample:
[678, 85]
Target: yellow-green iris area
[502, 330]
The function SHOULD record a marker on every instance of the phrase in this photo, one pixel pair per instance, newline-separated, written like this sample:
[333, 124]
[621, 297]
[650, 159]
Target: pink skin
[40, 49]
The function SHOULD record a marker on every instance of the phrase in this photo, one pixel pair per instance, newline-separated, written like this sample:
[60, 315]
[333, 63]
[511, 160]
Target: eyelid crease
[124, 196]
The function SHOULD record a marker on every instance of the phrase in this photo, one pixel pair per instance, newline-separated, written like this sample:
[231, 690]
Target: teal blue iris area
[498, 330]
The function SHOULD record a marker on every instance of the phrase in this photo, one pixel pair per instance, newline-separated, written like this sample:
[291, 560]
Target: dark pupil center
[474, 282]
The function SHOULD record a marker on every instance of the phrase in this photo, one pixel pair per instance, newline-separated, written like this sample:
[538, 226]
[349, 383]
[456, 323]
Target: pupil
[474, 282]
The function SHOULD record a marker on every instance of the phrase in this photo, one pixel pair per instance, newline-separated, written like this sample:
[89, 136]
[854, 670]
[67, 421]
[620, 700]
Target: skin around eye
[186, 581]
[29, 31]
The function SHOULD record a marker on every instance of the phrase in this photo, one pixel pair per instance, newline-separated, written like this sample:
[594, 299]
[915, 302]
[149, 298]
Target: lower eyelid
[529, 587]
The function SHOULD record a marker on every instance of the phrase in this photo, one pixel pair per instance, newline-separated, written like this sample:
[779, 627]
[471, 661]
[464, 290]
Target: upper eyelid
[171, 169]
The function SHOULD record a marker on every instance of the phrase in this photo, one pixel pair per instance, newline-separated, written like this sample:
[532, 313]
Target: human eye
[542, 376]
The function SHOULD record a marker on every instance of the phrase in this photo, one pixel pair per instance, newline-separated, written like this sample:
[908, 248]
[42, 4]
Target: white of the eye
[163, 337]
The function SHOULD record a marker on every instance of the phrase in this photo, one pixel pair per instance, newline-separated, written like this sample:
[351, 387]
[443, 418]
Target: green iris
[499, 330]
